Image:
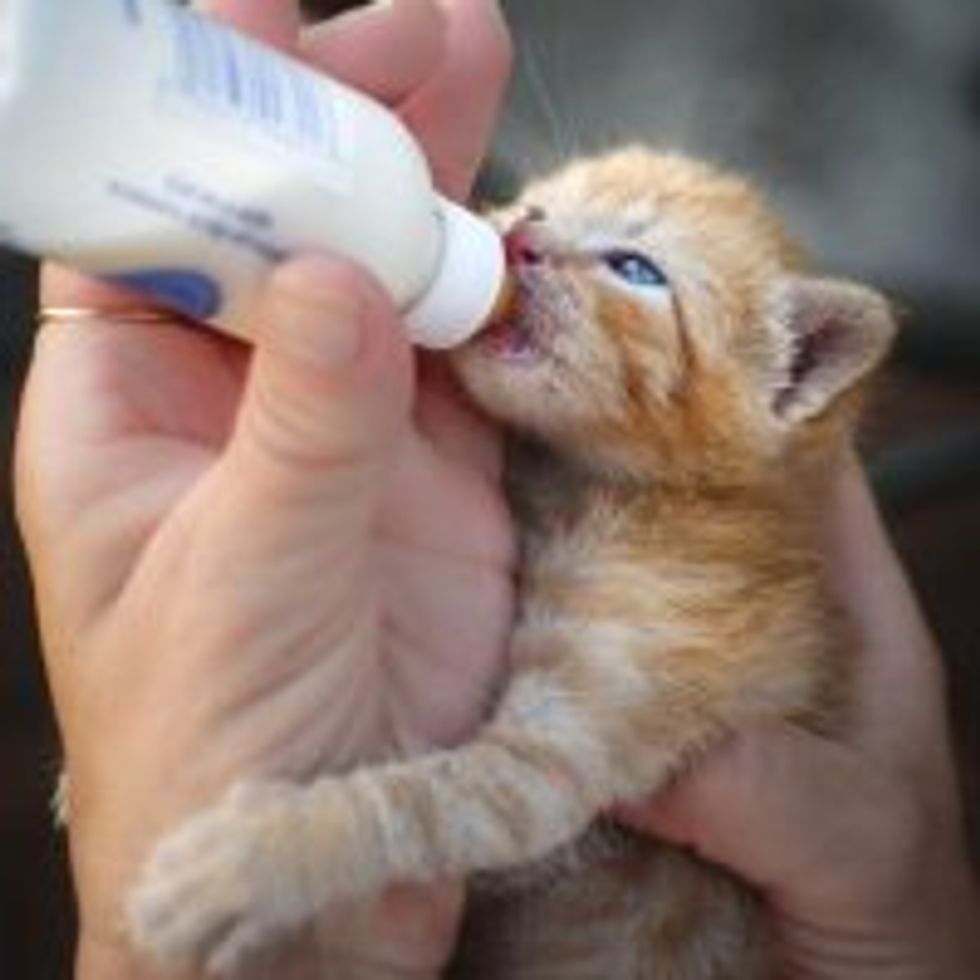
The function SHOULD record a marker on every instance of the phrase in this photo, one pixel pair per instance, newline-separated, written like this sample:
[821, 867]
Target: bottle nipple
[506, 302]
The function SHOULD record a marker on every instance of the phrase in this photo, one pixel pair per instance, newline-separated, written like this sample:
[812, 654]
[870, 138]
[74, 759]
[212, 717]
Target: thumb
[330, 385]
[782, 809]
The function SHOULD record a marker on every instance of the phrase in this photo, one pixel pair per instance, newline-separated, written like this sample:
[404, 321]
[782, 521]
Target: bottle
[147, 145]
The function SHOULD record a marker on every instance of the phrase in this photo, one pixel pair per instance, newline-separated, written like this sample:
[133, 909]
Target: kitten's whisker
[549, 106]
[523, 145]
[573, 129]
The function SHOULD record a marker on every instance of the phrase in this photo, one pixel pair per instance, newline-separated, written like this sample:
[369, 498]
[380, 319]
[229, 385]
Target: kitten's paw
[227, 882]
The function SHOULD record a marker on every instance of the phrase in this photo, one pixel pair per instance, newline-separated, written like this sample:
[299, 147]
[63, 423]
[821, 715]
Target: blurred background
[860, 118]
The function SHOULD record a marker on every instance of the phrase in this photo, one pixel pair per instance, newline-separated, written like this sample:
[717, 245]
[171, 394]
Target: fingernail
[319, 322]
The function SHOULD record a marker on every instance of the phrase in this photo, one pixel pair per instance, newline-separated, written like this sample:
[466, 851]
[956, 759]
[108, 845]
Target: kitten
[677, 386]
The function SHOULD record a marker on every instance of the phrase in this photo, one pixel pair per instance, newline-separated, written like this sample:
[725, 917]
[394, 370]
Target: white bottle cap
[467, 285]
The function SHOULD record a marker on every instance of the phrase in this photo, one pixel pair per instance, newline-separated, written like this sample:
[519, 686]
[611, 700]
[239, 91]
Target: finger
[387, 50]
[901, 711]
[453, 115]
[448, 420]
[64, 287]
[328, 393]
[786, 810]
[417, 925]
[274, 22]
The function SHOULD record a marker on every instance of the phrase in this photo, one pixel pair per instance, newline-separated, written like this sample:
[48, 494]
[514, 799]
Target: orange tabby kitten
[679, 386]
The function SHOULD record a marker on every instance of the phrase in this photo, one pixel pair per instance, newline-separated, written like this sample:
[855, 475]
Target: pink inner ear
[839, 331]
[815, 347]
[818, 346]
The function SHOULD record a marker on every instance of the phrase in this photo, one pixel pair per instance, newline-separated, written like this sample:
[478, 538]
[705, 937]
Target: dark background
[862, 119]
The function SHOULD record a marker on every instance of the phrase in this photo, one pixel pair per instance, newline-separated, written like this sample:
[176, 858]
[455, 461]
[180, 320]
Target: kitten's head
[664, 327]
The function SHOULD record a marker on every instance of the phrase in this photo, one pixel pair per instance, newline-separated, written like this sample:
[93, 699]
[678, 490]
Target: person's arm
[262, 561]
[856, 843]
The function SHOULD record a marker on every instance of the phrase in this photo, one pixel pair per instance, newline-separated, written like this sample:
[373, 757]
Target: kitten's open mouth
[521, 332]
[512, 338]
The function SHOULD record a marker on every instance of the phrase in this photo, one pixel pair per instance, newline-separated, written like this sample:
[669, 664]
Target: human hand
[274, 562]
[856, 844]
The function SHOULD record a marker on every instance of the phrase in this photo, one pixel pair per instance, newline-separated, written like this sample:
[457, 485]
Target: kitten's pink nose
[520, 246]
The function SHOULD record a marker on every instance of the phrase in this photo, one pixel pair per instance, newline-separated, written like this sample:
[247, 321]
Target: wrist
[97, 960]
[101, 959]
[300, 960]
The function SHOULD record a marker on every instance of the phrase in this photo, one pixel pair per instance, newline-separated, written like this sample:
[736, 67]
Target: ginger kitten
[677, 386]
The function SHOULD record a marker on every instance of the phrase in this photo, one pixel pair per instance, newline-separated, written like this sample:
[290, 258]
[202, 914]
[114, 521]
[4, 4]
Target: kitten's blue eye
[634, 268]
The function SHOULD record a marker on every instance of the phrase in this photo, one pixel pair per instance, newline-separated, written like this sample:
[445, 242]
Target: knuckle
[282, 434]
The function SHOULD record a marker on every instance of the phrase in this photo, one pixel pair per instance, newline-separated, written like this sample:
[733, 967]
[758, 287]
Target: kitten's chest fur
[612, 903]
[548, 495]
[613, 906]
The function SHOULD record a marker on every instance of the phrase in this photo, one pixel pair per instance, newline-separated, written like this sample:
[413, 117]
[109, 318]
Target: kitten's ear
[837, 332]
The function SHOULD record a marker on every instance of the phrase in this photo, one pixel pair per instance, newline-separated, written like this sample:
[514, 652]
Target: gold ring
[126, 314]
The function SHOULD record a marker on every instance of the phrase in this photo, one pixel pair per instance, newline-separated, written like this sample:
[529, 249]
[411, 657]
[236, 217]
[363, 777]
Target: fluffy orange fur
[677, 386]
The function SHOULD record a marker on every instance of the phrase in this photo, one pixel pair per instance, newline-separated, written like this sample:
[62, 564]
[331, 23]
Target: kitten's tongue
[510, 338]
[508, 334]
